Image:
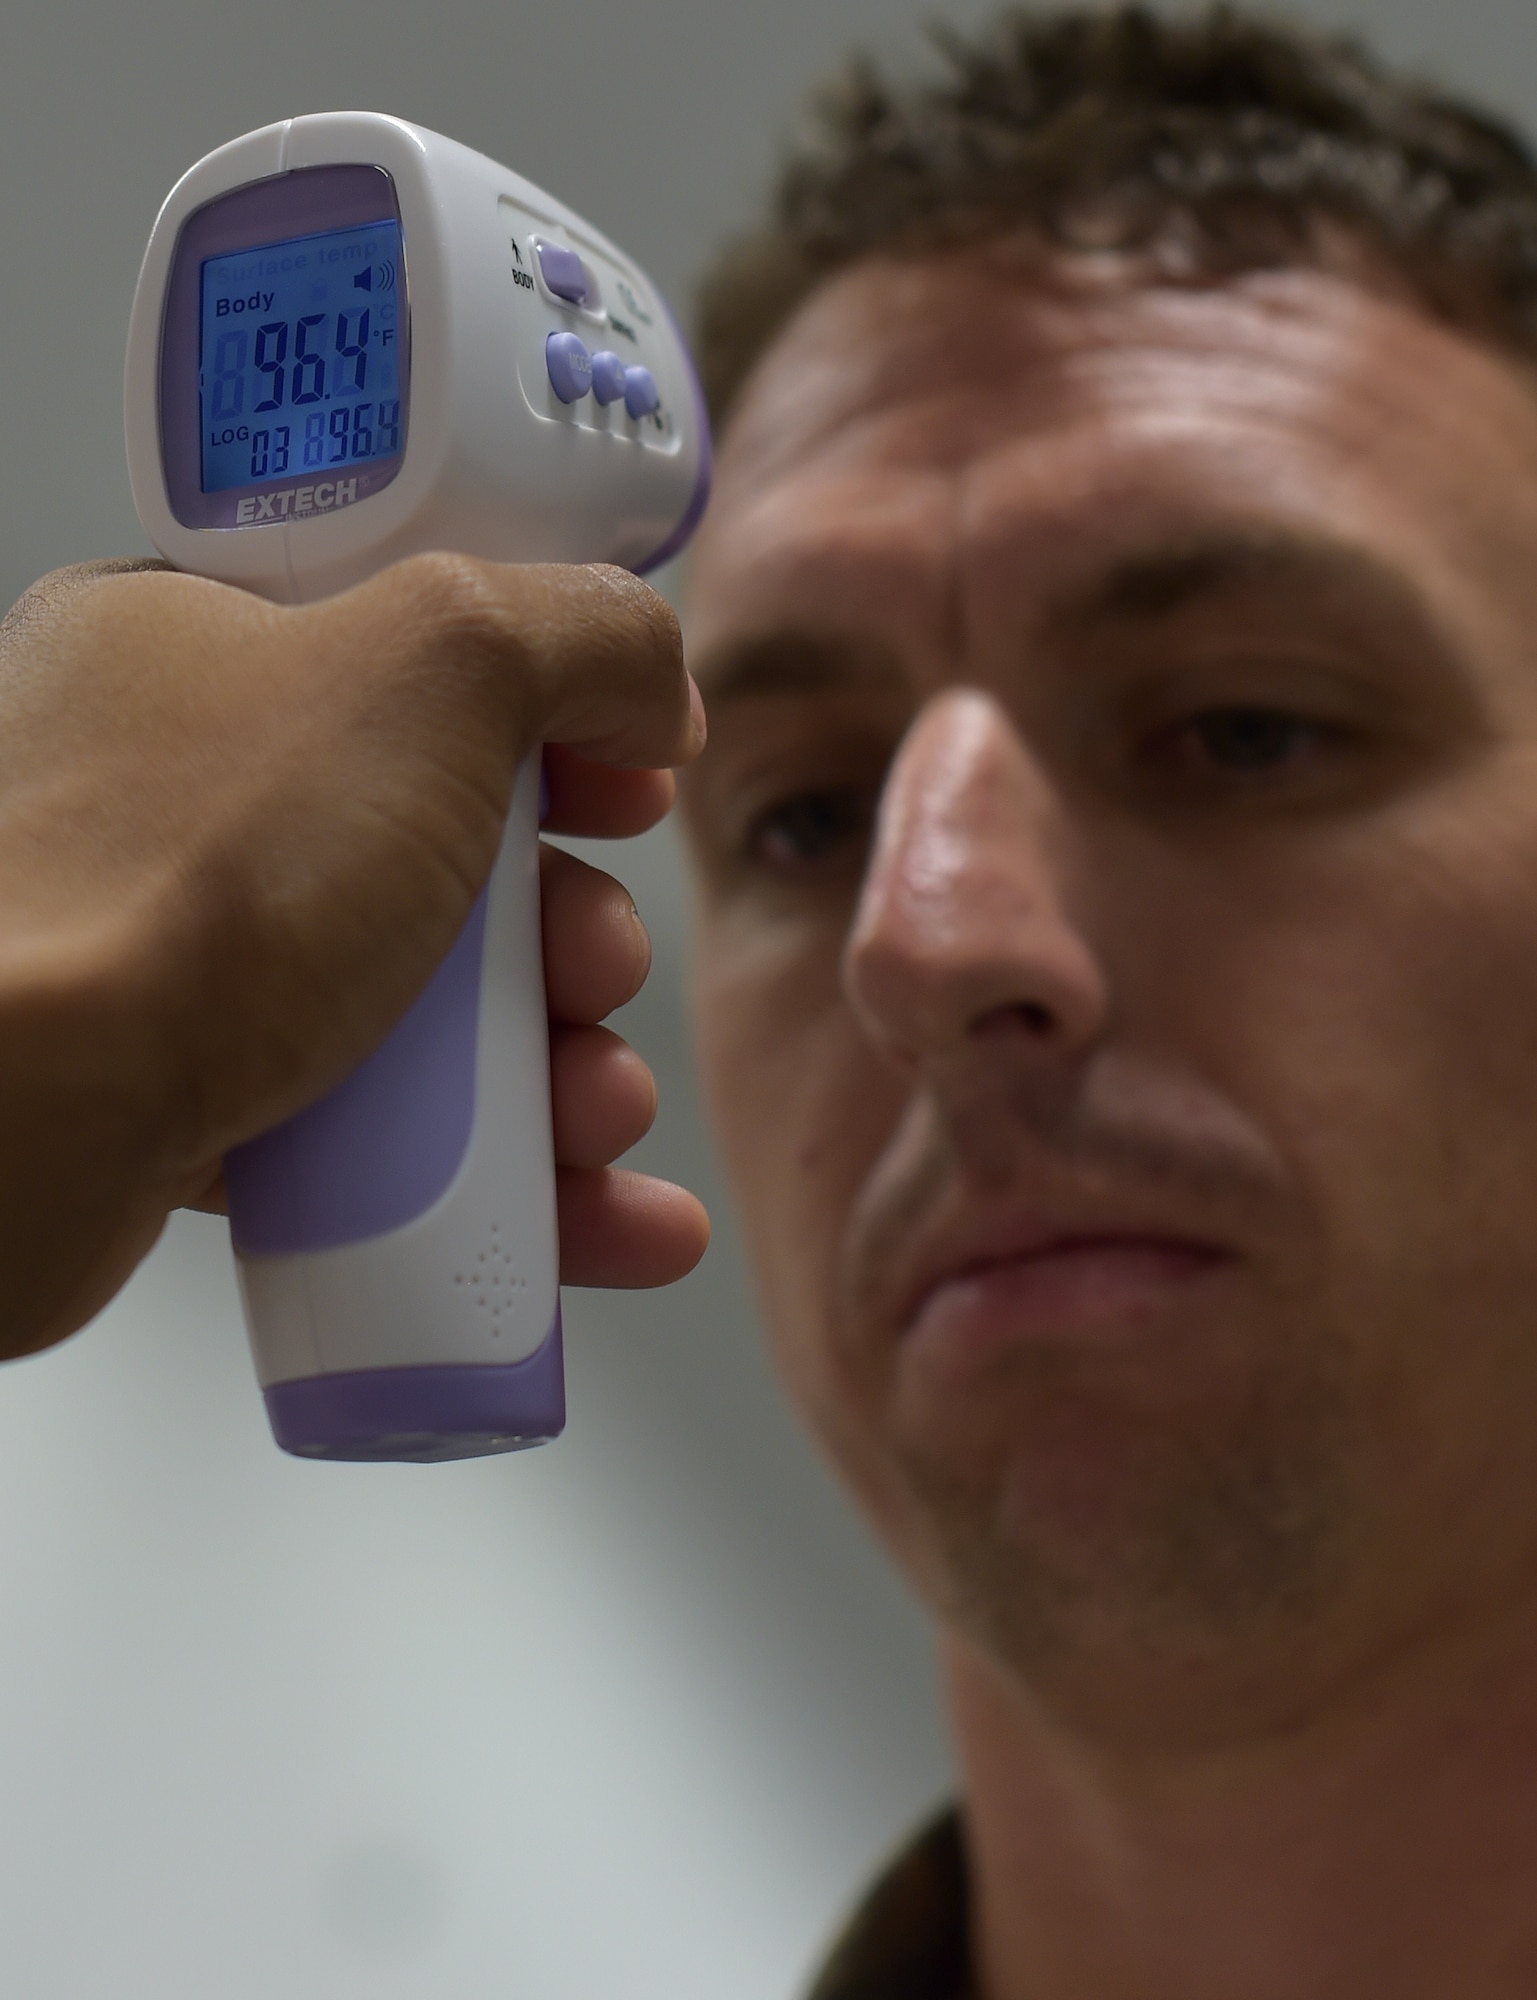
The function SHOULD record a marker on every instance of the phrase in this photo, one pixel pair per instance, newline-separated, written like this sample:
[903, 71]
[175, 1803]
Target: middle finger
[596, 949]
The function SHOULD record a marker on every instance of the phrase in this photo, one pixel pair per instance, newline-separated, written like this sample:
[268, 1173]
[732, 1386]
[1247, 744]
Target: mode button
[569, 365]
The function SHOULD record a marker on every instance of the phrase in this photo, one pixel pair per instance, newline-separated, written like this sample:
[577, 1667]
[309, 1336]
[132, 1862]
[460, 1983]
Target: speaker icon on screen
[377, 278]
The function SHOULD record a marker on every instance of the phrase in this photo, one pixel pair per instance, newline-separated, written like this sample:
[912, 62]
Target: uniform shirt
[910, 1937]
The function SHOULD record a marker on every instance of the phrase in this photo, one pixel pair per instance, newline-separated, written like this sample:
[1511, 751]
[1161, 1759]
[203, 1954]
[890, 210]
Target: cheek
[1425, 1152]
[1412, 1076]
[802, 1109]
[1379, 1021]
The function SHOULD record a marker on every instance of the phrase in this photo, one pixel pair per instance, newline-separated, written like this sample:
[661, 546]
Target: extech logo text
[328, 495]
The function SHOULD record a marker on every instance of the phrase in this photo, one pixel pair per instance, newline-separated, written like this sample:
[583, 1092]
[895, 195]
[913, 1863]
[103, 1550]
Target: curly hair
[1233, 136]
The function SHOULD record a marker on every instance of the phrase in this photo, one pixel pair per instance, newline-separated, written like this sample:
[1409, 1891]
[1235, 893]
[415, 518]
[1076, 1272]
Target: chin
[1124, 1568]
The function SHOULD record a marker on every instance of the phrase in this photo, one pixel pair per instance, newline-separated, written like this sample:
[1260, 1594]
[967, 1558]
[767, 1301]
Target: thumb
[585, 655]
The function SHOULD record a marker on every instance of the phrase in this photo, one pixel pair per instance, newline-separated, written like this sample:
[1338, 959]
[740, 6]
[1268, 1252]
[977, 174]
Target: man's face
[1118, 966]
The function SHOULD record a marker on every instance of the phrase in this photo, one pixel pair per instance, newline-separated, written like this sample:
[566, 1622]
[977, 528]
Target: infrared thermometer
[353, 340]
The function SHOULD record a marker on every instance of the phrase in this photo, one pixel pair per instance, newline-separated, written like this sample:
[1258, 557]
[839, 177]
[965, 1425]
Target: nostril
[1037, 1020]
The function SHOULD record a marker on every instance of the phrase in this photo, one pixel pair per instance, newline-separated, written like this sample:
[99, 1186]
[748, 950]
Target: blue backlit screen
[299, 358]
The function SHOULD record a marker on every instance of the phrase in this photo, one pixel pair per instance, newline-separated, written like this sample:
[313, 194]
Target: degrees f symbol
[377, 278]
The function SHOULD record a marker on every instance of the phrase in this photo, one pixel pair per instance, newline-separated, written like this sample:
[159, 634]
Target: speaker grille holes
[495, 1284]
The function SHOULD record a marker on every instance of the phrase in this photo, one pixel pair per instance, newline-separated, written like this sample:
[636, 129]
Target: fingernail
[696, 712]
[641, 938]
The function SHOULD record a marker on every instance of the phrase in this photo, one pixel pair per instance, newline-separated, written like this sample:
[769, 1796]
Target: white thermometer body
[354, 340]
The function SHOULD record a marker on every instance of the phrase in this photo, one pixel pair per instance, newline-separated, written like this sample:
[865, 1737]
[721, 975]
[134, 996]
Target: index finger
[601, 801]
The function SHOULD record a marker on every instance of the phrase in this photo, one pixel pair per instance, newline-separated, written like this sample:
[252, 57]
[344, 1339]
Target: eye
[1246, 739]
[809, 828]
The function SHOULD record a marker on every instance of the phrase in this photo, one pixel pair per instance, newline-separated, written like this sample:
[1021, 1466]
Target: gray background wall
[631, 1716]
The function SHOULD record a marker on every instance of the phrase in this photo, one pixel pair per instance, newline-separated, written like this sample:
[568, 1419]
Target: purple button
[608, 383]
[570, 366]
[562, 271]
[640, 395]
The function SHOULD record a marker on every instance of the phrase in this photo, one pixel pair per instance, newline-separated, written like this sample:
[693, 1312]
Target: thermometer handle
[396, 1241]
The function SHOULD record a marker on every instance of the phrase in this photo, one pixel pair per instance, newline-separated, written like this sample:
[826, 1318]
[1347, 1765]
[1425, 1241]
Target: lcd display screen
[299, 356]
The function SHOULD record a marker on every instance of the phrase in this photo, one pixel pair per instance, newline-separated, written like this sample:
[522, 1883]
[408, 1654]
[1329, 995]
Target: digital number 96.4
[304, 379]
[332, 439]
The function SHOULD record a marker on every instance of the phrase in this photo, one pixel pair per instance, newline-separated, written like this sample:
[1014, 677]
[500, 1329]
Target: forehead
[936, 440]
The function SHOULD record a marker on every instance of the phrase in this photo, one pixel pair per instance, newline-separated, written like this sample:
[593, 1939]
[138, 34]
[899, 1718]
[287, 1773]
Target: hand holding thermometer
[354, 340]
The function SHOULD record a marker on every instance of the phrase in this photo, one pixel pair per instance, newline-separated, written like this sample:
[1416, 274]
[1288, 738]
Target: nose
[961, 941]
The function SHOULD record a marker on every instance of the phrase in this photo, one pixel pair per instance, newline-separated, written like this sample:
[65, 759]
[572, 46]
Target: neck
[1388, 1847]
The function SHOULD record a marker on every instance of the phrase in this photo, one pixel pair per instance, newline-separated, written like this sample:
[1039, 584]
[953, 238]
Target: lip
[1074, 1286]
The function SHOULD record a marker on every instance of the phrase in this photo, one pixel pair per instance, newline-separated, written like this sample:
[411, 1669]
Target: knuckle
[465, 635]
[52, 594]
[91, 597]
[458, 599]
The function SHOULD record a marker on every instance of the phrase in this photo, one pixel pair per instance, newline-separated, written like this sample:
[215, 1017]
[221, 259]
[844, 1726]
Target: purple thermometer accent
[381, 1148]
[424, 1415]
[305, 201]
[699, 499]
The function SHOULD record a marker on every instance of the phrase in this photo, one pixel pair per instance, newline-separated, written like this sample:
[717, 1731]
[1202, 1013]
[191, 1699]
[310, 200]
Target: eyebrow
[1156, 583]
[795, 661]
[1141, 587]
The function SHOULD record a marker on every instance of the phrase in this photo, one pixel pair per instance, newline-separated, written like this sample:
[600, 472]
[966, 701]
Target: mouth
[1102, 1288]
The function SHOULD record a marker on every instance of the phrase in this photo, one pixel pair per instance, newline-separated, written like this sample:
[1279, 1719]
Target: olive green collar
[910, 1938]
